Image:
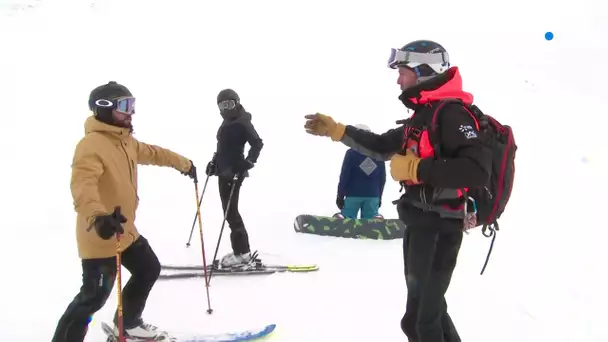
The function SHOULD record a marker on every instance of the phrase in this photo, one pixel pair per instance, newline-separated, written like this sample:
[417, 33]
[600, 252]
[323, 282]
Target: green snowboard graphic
[377, 229]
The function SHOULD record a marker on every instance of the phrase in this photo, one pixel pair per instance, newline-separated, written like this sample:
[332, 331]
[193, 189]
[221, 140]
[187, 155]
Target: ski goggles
[125, 105]
[412, 59]
[226, 105]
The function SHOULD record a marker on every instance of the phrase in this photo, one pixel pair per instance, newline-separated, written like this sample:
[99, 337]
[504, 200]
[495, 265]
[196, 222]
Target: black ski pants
[239, 238]
[98, 276]
[430, 250]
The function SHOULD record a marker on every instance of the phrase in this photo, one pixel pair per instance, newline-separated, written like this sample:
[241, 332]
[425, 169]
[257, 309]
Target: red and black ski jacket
[462, 160]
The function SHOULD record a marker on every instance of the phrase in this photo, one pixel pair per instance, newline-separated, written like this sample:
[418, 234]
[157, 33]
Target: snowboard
[244, 335]
[376, 229]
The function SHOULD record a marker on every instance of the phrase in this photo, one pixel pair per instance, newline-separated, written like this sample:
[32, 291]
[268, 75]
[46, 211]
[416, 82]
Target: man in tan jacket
[104, 188]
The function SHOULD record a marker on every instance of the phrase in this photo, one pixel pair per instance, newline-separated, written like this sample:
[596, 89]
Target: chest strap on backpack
[433, 200]
[443, 211]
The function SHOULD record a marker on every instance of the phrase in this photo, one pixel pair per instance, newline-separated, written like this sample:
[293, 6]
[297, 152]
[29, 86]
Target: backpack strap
[493, 228]
[430, 123]
[434, 126]
[482, 122]
[435, 139]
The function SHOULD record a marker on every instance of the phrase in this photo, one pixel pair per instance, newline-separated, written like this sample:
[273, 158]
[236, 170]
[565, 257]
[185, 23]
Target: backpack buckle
[414, 134]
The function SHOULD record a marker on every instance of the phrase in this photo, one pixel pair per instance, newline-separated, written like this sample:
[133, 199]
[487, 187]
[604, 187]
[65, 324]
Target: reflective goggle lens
[412, 59]
[227, 105]
[124, 105]
[392, 60]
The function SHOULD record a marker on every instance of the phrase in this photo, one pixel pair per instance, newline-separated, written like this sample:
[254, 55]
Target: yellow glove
[405, 167]
[323, 125]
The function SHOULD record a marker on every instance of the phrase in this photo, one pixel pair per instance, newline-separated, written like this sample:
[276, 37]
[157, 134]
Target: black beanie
[228, 94]
[108, 91]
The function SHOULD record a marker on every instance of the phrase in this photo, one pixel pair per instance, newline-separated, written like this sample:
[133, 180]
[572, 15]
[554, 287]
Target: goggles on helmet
[226, 105]
[437, 61]
[125, 105]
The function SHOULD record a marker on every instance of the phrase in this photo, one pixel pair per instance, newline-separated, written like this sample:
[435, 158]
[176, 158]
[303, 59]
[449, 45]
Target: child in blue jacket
[361, 184]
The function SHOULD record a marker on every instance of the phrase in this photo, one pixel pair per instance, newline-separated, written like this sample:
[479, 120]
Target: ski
[254, 267]
[184, 272]
[201, 274]
[244, 335]
[276, 268]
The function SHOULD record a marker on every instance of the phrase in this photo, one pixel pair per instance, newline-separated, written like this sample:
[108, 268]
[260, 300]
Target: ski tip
[245, 335]
[267, 331]
[302, 268]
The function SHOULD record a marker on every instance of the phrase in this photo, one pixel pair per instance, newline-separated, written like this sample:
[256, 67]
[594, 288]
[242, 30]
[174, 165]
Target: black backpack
[492, 199]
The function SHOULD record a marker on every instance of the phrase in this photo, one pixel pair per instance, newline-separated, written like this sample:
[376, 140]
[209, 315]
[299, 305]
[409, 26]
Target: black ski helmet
[109, 91]
[228, 94]
[425, 57]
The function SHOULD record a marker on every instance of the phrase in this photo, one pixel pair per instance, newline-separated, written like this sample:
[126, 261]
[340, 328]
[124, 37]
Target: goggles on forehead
[125, 105]
[226, 105]
[411, 59]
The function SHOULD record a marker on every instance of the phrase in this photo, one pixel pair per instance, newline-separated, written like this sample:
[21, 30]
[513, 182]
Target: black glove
[340, 202]
[192, 172]
[211, 169]
[243, 166]
[108, 225]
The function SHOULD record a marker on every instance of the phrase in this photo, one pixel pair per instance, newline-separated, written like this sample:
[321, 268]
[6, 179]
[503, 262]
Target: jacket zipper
[130, 171]
[128, 163]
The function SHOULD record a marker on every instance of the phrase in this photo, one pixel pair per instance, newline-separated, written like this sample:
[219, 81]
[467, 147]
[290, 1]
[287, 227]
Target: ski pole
[200, 228]
[198, 207]
[121, 334]
[219, 239]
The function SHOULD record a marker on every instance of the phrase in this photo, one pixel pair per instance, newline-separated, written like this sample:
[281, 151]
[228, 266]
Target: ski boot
[144, 333]
[232, 260]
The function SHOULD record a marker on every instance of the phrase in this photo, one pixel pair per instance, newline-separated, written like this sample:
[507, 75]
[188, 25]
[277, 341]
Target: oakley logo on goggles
[125, 105]
[413, 59]
[227, 105]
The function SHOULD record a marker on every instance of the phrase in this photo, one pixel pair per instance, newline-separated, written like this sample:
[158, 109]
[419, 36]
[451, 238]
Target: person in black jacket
[432, 166]
[231, 167]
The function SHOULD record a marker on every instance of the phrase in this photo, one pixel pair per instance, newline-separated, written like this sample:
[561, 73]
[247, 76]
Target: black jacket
[235, 131]
[463, 162]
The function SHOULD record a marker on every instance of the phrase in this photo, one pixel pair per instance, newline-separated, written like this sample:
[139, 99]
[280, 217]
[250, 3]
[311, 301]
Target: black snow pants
[239, 238]
[98, 276]
[430, 250]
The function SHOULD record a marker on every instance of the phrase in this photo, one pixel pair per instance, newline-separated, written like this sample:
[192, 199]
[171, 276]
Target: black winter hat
[108, 91]
[228, 94]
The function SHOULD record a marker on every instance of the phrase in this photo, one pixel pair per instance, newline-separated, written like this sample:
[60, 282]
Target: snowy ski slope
[546, 277]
